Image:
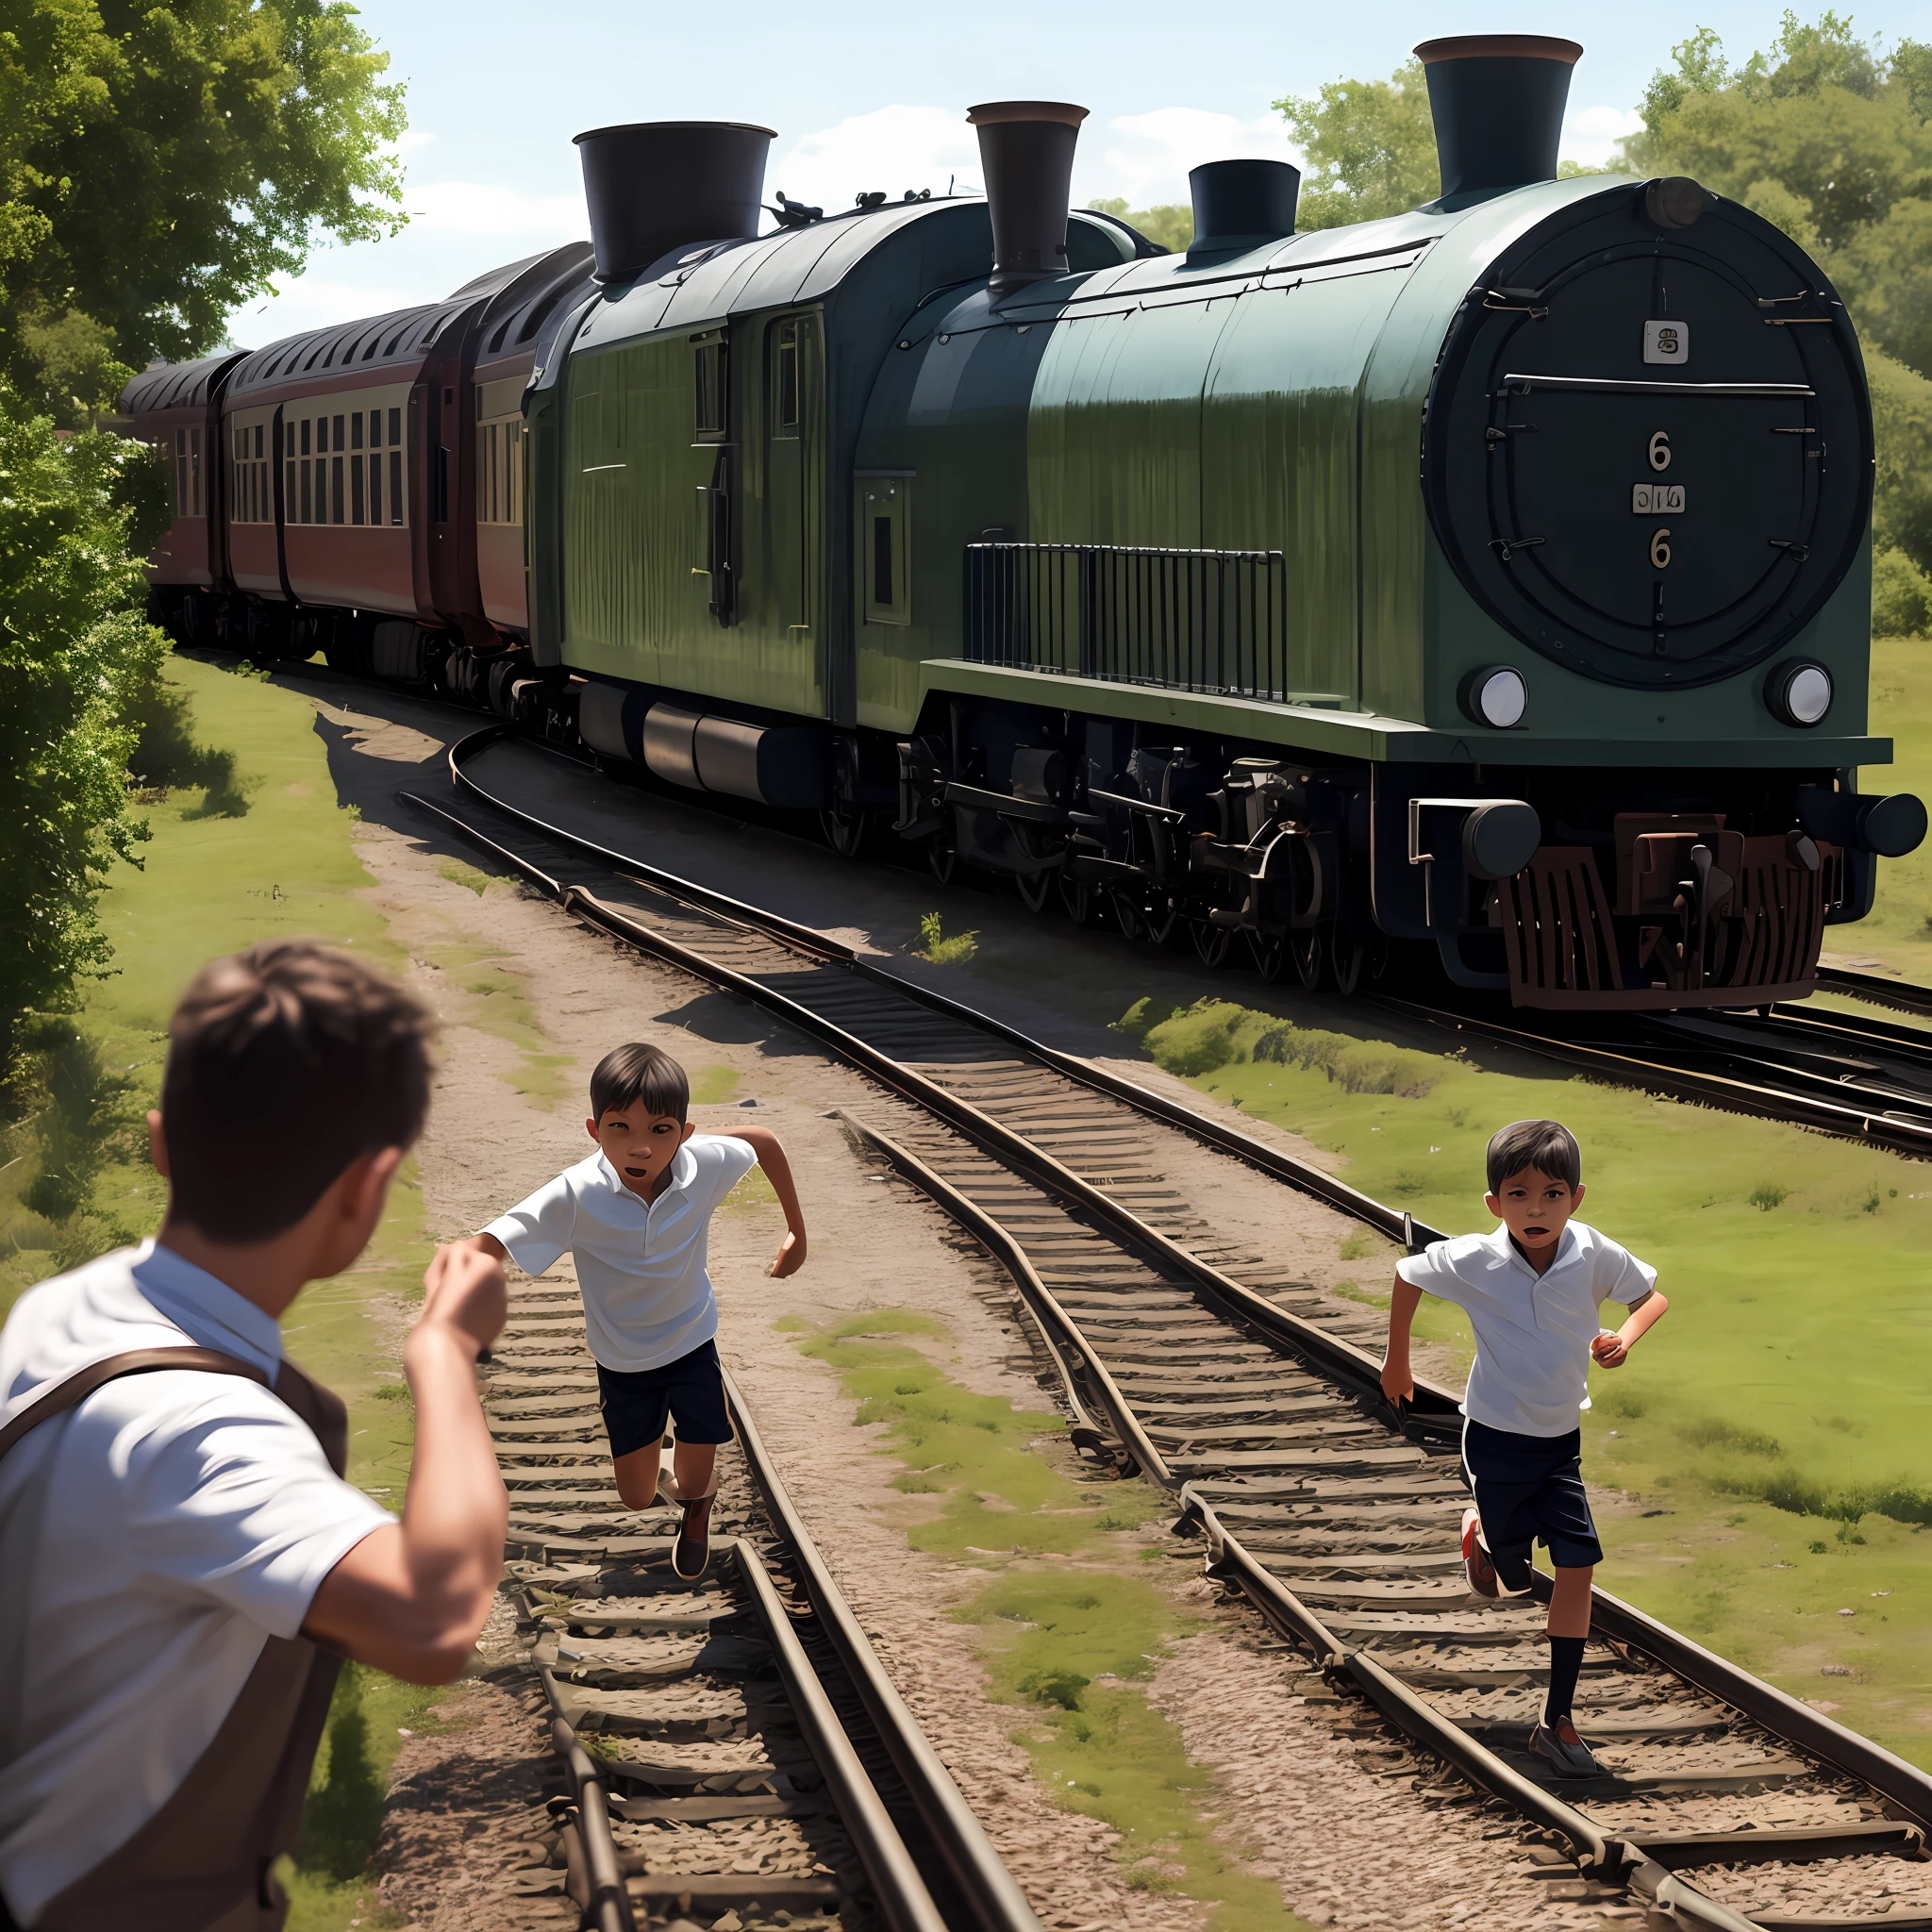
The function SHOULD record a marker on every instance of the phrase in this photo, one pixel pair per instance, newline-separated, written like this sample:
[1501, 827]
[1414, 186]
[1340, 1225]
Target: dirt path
[529, 999]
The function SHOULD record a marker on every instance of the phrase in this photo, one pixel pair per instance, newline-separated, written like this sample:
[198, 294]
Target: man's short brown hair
[1548, 1146]
[285, 1064]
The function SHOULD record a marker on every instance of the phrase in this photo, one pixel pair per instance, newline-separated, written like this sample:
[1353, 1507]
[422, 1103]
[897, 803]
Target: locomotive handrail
[1615, 386]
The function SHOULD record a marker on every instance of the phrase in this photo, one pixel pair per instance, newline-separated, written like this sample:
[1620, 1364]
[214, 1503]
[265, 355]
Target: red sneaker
[1476, 1566]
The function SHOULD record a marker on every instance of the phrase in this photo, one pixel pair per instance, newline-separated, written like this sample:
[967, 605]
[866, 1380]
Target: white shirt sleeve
[1621, 1276]
[230, 1499]
[1433, 1271]
[723, 1160]
[537, 1230]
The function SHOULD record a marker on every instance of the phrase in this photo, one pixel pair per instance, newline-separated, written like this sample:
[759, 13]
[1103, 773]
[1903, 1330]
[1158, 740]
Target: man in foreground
[182, 1565]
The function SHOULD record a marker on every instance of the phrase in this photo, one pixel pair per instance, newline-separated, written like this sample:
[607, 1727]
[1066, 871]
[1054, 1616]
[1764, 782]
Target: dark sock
[1566, 1661]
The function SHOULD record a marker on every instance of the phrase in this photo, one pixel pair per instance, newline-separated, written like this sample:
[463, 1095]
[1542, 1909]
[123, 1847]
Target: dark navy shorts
[1529, 1490]
[638, 1403]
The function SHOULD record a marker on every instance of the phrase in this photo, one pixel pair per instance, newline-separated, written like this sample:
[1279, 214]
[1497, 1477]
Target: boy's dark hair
[1548, 1146]
[285, 1064]
[627, 1075]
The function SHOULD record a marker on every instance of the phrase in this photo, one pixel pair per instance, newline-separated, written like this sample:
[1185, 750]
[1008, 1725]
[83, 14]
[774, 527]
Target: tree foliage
[1170, 226]
[1831, 138]
[162, 160]
[1370, 148]
[78, 659]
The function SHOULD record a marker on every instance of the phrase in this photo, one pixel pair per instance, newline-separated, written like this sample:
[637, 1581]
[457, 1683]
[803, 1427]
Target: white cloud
[1143, 157]
[310, 302]
[1591, 133]
[892, 148]
[474, 207]
[411, 138]
[1146, 156]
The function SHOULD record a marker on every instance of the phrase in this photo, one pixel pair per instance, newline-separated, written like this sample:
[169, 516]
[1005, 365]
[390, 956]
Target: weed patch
[941, 949]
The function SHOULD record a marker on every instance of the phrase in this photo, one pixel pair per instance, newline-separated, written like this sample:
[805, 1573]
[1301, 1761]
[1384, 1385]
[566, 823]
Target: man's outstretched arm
[1613, 1351]
[1398, 1384]
[764, 1143]
[412, 1597]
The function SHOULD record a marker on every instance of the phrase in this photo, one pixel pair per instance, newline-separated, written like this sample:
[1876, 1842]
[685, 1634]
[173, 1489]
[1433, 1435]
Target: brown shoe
[691, 1552]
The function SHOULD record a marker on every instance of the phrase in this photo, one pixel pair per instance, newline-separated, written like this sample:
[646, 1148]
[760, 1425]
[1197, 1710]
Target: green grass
[935, 946]
[263, 849]
[1067, 1621]
[714, 1086]
[1791, 1370]
[1899, 929]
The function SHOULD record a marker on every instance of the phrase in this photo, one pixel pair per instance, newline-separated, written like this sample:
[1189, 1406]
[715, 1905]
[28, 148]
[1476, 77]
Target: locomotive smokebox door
[1648, 452]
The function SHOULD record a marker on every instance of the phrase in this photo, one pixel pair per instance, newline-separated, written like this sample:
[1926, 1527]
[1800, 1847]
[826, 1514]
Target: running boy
[637, 1215]
[1531, 1291]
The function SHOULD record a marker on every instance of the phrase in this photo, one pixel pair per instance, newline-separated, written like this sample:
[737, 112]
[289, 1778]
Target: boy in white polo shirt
[1531, 1291]
[637, 1216]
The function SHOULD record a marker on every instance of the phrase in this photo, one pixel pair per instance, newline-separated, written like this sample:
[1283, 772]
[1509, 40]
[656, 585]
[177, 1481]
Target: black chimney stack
[1240, 205]
[1498, 102]
[654, 184]
[1026, 152]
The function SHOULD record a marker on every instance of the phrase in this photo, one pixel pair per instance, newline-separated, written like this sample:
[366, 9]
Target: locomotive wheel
[1347, 956]
[941, 857]
[1159, 925]
[1080, 901]
[844, 831]
[1126, 915]
[1035, 891]
[1271, 954]
[1307, 948]
[1211, 943]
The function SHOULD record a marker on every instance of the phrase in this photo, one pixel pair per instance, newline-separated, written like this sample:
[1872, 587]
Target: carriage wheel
[1347, 955]
[1211, 943]
[1034, 890]
[942, 857]
[1126, 914]
[1271, 954]
[844, 831]
[1160, 924]
[1307, 949]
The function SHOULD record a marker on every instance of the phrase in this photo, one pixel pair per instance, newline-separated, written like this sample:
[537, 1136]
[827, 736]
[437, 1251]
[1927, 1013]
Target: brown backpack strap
[133, 1361]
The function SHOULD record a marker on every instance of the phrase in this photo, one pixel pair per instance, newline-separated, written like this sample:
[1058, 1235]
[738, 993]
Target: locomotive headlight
[1495, 695]
[1800, 694]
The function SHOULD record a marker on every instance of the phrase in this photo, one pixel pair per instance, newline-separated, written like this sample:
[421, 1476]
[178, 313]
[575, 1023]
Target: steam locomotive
[1494, 577]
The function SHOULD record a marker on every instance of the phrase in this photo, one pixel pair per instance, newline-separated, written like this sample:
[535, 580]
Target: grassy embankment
[1766, 1444]
[1067, 1621]
[263, 849]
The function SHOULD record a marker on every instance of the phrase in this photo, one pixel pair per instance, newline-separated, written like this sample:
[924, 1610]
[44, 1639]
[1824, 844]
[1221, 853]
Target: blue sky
[865, 94]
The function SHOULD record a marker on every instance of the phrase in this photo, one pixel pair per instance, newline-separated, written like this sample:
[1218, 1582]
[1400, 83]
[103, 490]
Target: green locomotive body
[1493, 577]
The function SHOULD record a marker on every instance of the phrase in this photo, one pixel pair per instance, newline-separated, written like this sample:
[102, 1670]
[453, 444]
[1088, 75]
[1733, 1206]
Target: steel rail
[1301, 1174]
[1902, 1784]
[1437, 1407]
[1871, 1125]
[976, 1869]
[606, 1904]
[902, 1893]
[1879, 988]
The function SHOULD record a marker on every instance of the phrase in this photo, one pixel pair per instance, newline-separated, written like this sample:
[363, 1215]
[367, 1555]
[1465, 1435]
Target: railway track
[1252, 1401]
[731, 1746]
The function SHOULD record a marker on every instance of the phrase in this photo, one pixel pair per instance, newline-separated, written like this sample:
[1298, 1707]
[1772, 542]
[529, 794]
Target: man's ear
[369, 1180]
[591, 1128]
[689, 1129]
[157, 1142]
[1576, 1197]
[1493, 1203]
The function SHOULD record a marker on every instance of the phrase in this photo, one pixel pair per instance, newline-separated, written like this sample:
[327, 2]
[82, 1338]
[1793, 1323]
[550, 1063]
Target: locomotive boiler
[1493, 578]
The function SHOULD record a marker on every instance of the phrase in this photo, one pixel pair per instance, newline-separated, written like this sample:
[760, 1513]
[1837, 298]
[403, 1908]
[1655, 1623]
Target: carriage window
[356, 484]
[712, 400]
[308, 490]
[395, 475]
[376, 430]
[194, 467]
[376, 490]
[335, 485]
[356, 430]
[883, 504]
[785, 410]
[181, 494]
[395, 426]
[336, 441]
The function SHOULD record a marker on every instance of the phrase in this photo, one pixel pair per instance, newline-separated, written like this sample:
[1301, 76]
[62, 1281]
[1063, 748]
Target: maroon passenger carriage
[358, 489]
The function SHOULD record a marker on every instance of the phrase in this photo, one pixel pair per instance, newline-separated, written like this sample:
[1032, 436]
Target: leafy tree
[1170, 226]
[1831, 138]
[76, 657]
[161, 160]
[1369, 148]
